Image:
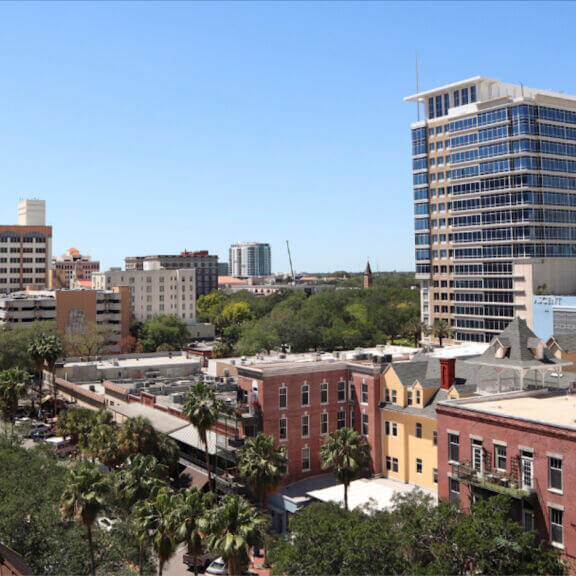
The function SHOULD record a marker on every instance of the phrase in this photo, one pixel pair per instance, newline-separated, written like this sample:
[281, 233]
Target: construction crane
[291, 269]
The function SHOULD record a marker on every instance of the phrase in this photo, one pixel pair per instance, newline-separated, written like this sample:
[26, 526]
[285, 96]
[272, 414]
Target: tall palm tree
[14, 383]
[202, 408]
[191, 506]
[231, 530]
[441, 329]
[45, 350]
[346, 452]
[157, 521]
[262, 465]
[84, 498]
[103, 444]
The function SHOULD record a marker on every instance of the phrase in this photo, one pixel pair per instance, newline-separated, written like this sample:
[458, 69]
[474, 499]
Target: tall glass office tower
[494, 174]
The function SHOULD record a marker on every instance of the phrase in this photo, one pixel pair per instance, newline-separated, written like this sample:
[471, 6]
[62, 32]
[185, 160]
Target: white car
[217, 568]
[105, 523]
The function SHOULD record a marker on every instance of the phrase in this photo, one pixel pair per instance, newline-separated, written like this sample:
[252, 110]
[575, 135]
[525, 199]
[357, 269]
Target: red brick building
[299, 404]
[521, 444]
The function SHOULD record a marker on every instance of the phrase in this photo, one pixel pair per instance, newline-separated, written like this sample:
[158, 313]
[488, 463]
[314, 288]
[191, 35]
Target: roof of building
[517, 347]
[231, 280]
[190, 436]
[14, 562]
[368, 270]
[543, 407]
[566, 342]
[160, 420]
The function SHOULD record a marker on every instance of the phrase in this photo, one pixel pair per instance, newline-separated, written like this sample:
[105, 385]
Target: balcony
[493, 480]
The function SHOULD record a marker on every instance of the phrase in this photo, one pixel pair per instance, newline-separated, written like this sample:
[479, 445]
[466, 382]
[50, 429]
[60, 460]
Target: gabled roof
[368, 270]
[566, 342]
[516, 344]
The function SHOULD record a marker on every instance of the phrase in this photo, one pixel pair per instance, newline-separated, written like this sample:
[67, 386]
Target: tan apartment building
[154, 292]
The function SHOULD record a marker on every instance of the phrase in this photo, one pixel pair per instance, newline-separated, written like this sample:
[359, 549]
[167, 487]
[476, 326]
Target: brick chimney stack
[447, 372]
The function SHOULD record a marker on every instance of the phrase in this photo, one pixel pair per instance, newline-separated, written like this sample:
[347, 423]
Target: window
[555, 473]
[394, 429]
[365, 424]
[387, 428]
[283, 429]
[418, 465]
[418, 398]
[409, 397]
[454, 491]
[386, 395]
[324, 393]
[527, 517]
[352, 419]
[527, 469]
[388, 463]
[418, 430]
[500, 457]
[394, 464]
[305, 395]
[454, 447]
[477, 459]
[435, 475]
[556, 526]
[364, 393]
[341, 391]
[305, 426]
[305, 459]
[324, 423]
[394, 397]
[435, 438]
[283, 397]
[341, 422]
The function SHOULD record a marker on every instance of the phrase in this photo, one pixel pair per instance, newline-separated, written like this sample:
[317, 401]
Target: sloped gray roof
[518, 339]
[566, 342]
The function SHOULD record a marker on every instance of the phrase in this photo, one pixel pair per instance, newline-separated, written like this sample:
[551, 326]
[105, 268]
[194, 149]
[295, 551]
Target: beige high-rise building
[154, 291]
[494, 175]
[26, 248]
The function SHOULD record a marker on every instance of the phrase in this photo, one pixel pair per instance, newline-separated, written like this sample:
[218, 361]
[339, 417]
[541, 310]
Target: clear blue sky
[156, 127]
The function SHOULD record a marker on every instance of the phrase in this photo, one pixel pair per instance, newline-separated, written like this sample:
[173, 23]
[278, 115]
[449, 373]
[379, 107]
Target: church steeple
[368, 279]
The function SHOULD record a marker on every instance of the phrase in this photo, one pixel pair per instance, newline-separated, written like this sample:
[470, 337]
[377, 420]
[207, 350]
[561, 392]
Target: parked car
[202, 561]
[217, 568]
[106, 524]
[41, 433]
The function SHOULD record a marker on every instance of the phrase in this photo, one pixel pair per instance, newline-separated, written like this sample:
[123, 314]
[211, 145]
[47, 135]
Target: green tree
[162, 331]
[77, 423]
[14, 384]
[441, 329]
[231, 530]
[191, 506]
[89, 339]
[203, 409]
[346, 452]
[157, 522]
[137, 436]
[262, 465]
[84, 498]
[415, 329]
[47, 348]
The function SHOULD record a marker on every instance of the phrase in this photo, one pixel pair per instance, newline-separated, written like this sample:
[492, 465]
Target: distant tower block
[32, 213]
[368, 278]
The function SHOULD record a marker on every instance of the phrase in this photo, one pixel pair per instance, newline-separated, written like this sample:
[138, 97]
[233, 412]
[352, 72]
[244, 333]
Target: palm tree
[416, 329]
[346, 452]
[262, 465]
[45, 350]
[202, 408]
[138, 478]
[103, 444]
[84, 498]
[231, 530]
[441, 329]
[191, 506]
[137, 436]
[14, 384]
[157, 521]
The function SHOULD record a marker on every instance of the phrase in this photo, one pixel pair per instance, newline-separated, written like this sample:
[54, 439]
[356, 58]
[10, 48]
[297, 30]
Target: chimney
[447, 372]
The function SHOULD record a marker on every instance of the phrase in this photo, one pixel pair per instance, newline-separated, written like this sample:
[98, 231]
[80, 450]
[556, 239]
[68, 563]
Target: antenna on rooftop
[417, 87]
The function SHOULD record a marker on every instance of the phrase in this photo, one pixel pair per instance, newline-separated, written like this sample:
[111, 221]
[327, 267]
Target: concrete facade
[248, 259]
[205, 265]
[155, 291]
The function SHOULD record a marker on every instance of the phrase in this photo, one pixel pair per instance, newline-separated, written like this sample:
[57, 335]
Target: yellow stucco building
[409, 392]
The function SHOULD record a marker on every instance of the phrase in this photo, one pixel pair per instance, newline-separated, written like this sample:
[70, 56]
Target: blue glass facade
[491, 188]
